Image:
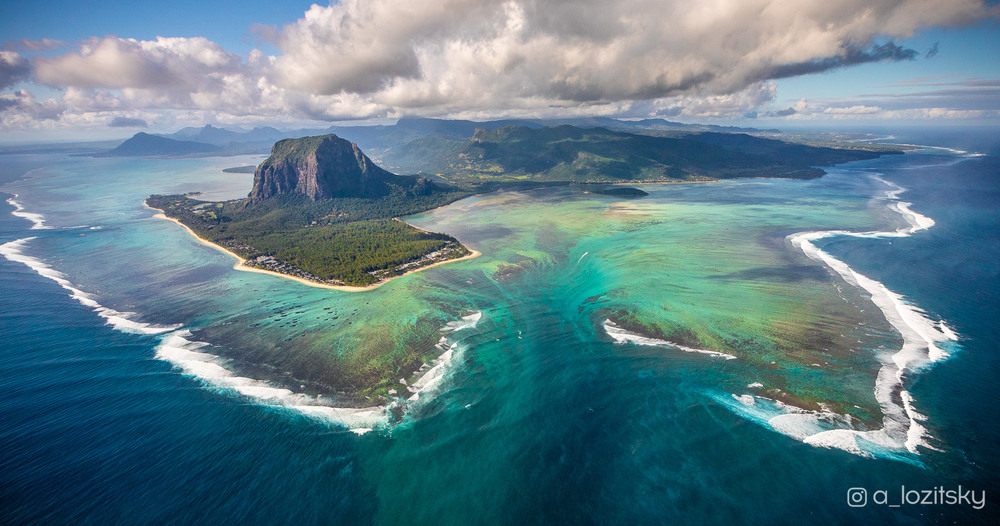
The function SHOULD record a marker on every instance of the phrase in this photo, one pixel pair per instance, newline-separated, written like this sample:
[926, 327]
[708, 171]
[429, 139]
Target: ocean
[741, 352]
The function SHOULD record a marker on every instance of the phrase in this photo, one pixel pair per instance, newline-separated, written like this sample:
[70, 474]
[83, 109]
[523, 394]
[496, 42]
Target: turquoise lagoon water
[730, 352]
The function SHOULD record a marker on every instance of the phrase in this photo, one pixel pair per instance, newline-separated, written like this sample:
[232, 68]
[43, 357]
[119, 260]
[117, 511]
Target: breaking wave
[123, 321]
[191, 358]
[925, 341]
[429, 376]
[37, 220]
[622, 336]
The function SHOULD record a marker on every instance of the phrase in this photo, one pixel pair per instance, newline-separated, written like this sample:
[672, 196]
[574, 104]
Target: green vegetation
[322, 210]
[571, 154]
[341, 241]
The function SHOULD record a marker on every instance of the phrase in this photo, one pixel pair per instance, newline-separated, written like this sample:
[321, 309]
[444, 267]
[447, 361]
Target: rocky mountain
[324, 167]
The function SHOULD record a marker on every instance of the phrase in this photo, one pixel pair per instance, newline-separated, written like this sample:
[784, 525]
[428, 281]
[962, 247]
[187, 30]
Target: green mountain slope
[571, 154]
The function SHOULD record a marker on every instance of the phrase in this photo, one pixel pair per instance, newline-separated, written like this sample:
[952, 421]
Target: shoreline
[240, 262]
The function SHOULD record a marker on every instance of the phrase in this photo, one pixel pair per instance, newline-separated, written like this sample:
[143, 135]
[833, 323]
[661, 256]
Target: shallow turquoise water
[539, 417]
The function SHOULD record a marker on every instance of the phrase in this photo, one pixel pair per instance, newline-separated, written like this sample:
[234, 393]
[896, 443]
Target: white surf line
[581, 257]
[622, 336]
[190, 357]
[14, 251]
[428, 381]
[894, 189]
[921, 339]
[955, 151]
[37, 220]
[465, 322]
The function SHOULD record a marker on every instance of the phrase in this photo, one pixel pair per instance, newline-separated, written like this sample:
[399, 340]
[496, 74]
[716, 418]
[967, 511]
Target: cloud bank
[468, 58]
[13, 68]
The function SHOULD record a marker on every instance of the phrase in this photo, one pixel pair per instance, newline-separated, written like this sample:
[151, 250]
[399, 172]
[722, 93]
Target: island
[145, 144]
[323, 213]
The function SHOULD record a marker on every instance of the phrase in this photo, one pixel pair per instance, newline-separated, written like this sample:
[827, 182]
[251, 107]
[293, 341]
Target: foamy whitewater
[122, 321]
[955, 151]
[622, 336]
[922, 339]
[429, 376]
[533, 410]
[37, 220]
[190, 356]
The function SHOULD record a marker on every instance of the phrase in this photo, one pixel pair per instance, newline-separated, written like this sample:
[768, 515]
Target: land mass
[322, 212]
[571, 154]
[397, 147]
[142, 144]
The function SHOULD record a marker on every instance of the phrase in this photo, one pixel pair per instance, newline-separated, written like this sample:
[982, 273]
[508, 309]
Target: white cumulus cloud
[482, 52]
[364, 58]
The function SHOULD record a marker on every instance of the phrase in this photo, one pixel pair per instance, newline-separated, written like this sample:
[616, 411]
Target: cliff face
[320, 167]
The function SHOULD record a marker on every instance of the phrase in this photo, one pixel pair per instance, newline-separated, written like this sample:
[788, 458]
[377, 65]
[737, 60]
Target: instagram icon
[857, 497]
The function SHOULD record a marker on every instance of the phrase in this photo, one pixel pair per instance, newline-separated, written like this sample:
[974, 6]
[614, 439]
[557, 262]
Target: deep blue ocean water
[94, 429]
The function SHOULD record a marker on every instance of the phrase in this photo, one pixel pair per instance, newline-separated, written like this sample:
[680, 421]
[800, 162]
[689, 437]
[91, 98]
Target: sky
[73, 70]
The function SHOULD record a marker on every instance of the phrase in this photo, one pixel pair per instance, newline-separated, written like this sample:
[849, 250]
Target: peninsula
[323, 213]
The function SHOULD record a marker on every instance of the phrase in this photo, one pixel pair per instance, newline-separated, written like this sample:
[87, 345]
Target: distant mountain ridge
[147, 144]
[220, 136]
[533, 151]
[572, 154]
[379, 140]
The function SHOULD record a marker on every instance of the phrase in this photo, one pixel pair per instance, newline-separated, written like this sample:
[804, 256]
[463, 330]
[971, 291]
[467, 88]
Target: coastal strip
[241, 263]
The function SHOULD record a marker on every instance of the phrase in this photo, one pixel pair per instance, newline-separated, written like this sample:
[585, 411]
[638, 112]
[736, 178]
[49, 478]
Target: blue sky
[966, 52]
[71, 21]
[115, 68]
[963, 54]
